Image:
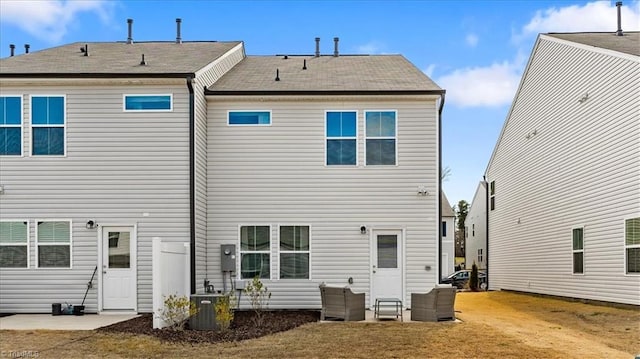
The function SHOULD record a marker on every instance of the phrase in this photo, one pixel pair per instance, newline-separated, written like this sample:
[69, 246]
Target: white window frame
[240, 251]
[625, 246]
[70, 244]
[480, 256]
[395, 138]
[32, 126]
[14, 244]
[249, 124]
[124, 102]
[578, 250]
[326, 138]
[308, 251]
[21, 126]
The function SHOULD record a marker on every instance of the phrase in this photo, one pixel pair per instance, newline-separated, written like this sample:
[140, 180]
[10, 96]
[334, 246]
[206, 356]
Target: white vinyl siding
[14, 244]
[477, 218]
[277, 175]
[632, 245]
[560, 161]
[121, 168]
[53, 244]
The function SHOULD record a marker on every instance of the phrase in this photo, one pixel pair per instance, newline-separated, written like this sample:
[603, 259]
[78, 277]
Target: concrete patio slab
[61, 322]
[369, 317]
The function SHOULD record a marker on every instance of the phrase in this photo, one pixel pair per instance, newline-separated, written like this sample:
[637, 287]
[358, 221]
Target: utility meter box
[228, 257]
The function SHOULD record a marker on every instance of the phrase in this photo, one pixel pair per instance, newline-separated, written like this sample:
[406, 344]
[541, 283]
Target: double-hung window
[632, 245]
[53, 244]
[255, 252]
[294, 252]
[492, 193]
[148, 103]
[249, 118]
[48, 125]
[14, 247]
[578, 250]
[341, 133]
[381, 137]
[10, 126]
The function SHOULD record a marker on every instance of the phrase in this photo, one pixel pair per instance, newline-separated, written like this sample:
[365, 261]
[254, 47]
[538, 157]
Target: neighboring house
[564, 193]
[95, 161]
[328, 175]
[447, 234]
[476, 247]
[325, 169]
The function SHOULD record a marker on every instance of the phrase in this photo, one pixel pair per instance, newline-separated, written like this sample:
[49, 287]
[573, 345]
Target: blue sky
[476, 50]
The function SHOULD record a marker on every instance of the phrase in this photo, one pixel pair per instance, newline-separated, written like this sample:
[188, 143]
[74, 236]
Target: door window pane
[119, 250]
[387, 251]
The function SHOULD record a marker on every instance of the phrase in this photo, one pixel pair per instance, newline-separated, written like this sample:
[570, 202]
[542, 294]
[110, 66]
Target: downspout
[192, 185]
[439, 189]
[486, 226]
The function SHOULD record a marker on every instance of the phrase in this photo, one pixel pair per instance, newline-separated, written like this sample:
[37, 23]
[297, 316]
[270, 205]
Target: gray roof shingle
[116, 58]
[629, 43]
[345, 73]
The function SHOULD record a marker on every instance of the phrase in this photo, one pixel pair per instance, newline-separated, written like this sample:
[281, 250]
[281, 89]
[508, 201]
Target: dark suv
[459, 279]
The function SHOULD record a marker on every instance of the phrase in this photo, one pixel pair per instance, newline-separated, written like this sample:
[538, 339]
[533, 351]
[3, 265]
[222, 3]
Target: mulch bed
[242, 328]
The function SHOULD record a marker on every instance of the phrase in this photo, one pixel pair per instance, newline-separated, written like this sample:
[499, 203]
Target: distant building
[476, 221]
[448, 235]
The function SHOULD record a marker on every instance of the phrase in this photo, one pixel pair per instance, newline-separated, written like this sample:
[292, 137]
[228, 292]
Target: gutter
[192, 185]
[439, 189]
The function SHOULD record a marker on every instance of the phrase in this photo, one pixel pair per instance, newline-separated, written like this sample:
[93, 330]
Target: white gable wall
[578, 167]
[276, 175]
[476, 222]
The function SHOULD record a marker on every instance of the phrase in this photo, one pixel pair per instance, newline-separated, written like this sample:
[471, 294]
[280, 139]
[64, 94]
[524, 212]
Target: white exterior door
[387, 265]
[119, 268]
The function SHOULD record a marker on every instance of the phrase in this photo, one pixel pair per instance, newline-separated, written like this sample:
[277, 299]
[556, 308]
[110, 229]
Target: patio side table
[388, 307]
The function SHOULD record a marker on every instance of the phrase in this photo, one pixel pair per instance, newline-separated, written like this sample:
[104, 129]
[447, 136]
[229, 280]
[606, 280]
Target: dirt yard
[492, 325]
[573, 328]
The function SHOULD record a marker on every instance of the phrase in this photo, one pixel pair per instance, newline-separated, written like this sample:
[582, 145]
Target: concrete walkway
[61, 322]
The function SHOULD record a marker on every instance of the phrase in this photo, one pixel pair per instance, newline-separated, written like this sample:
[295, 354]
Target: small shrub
[473, 279]
[177, 310]
[224, 311]
[259, 297]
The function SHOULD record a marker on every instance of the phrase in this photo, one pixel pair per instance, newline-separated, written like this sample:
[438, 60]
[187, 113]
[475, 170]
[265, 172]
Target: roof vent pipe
[317, 47]
[304, 64]
[86, 50]
[130, 38]
[335, 46]
[12, 47]
[178, 37]
[26, 48]
[619, 6]
[277, 74]
[143, 62]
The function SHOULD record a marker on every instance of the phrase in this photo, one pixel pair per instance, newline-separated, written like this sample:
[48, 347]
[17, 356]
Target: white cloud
[49, 19]
[370, 48]
[593, 16]
[471, 40]
[490, 86]
[429, 70]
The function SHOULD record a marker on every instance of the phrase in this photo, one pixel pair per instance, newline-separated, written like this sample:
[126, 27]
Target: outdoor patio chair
[437, 305]
[341, 303]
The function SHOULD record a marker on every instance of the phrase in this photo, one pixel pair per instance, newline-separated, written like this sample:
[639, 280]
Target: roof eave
[323, 92]
[97, 75]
